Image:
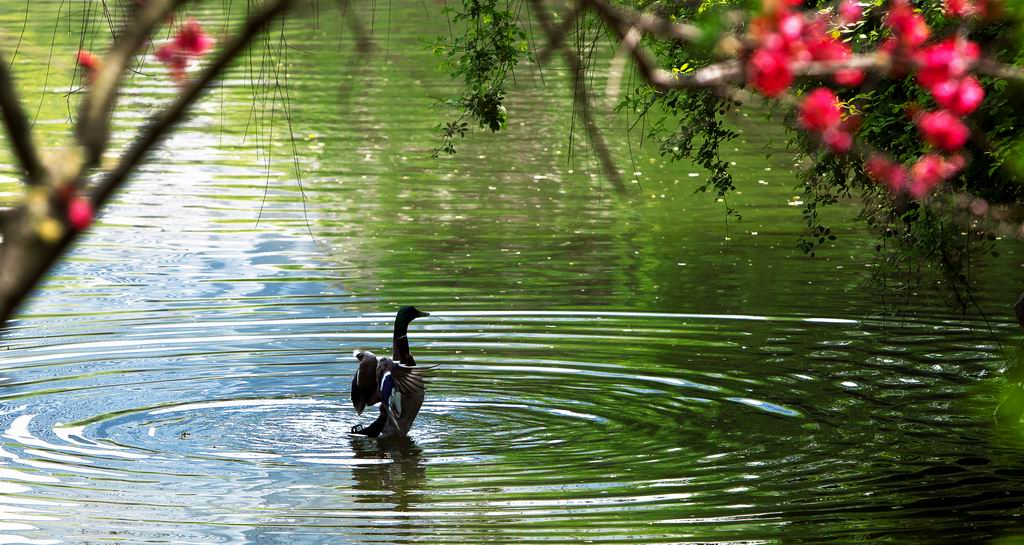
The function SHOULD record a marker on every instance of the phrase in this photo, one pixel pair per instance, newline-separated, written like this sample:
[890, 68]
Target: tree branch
[18, 128]
[93, 130]
[622, 20]
[161, 123]
[582, 99]
[25, 258]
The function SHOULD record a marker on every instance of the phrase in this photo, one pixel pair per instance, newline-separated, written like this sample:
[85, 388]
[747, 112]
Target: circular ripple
[644, 428]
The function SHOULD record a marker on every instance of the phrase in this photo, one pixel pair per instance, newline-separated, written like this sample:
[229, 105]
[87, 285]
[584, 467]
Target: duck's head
[409, 313]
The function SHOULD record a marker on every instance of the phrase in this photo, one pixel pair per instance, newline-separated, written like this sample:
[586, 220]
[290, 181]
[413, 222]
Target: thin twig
[364, 42]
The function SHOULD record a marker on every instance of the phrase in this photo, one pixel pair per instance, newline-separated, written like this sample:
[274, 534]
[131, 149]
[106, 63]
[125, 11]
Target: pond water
[612, 370]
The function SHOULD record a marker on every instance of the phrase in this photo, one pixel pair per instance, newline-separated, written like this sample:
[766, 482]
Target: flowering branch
[33, 239]
[161, 123]
[93, 129]
[782, 43]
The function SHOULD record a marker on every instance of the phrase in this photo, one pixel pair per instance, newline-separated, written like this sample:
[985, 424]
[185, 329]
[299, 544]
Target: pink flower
[925, 175]
[884, 171]
[192, 39]
[827, 48]
[929, 171]
[768, 71]
[175, 59]
[909, 27]
[943, 130]
[791, 26]
[849, 11]
[837, 140]
[961, 97]
[819, 110]
[89, 62]
[849, 77]
[945, 92]
[80, 212]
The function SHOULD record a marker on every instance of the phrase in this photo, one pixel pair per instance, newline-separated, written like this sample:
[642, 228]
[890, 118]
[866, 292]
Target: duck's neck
[400, 341]
[401, 352]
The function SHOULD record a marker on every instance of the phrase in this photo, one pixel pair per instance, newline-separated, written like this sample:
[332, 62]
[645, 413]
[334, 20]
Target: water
[611, 370]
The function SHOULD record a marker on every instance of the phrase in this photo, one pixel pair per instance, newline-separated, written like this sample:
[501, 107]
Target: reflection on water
[614, 371]
[401, 474]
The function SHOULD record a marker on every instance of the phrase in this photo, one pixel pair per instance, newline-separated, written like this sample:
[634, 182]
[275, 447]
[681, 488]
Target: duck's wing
[364, 383]
[410, 380]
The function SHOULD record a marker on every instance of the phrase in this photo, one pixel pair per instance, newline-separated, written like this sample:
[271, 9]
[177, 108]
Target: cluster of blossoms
[786, 38]
[190, 42]
[820, 113]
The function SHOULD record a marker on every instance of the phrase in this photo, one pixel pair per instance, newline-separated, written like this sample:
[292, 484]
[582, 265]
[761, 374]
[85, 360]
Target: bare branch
[881, 64]
[1006, 71]
[18, 128]
[557, 37]
[364, 42]
[582, 99]
[618, 65]
[622, 20]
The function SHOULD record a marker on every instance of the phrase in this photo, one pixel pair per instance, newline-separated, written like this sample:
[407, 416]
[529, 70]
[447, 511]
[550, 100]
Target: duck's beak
[424, 314]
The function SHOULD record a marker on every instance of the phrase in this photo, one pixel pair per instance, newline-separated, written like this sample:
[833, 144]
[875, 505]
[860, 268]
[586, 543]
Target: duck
[396, 383]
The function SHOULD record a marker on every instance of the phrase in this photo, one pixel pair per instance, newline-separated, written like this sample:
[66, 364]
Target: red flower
[768, 71]
[819, 111]
[930, 170]
[170, 53]
[909, 27]
[80, 212]
[948, 59]
[827, 48]
[849, 77]
[192, 39]
[175, 59]
[90, 63]
[961, 97]
[791, 26]
[943, 130]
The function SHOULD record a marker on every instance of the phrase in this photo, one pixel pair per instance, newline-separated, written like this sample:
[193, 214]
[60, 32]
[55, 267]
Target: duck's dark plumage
[399, 387]
[364, 382]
